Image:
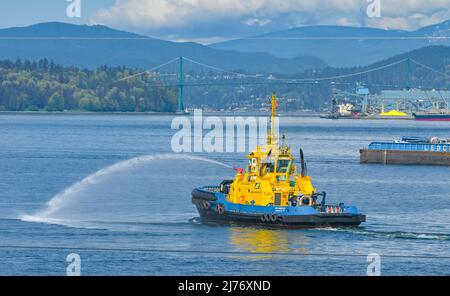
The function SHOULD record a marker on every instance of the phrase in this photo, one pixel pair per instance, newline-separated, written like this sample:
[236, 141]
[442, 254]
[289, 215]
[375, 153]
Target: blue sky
[207, 21]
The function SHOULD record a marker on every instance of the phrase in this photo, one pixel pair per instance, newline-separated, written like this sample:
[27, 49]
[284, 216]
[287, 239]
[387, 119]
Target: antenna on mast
[271, 138]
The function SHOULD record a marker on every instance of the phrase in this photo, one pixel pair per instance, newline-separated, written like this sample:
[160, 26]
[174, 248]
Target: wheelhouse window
[283, 165]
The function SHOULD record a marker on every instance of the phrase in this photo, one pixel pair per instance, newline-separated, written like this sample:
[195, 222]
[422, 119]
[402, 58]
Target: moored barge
[408, 150]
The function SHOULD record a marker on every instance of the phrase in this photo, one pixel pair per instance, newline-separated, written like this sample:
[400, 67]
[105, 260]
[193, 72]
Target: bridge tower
[180, 86]
[408, 74]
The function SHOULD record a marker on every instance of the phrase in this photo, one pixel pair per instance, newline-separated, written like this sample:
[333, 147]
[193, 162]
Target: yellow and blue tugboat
[270, 191]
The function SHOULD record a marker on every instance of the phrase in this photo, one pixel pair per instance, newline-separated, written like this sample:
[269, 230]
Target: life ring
[303, 198]
[220, 209]
[263, 218]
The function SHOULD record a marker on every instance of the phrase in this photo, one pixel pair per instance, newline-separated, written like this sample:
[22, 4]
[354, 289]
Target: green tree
[55, 102]
[127, 103]
[88, 101]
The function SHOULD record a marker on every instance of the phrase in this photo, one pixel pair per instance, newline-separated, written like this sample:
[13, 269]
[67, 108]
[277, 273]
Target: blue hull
[213, 207]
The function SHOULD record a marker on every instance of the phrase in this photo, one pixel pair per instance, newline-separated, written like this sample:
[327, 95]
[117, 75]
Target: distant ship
[432, 116]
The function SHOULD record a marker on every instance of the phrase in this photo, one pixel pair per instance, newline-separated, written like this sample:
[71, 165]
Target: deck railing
[409, 146]
[211, 188]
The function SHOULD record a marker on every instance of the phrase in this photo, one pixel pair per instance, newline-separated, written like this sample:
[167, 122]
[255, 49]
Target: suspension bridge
[402, 95]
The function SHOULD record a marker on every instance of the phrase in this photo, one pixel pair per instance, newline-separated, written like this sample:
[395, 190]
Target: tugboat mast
[272, 137]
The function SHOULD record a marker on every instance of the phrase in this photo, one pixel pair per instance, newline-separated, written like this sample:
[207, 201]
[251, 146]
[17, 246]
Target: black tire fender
[220, 209]
[273, 217]
[206, 205]
[203, 195]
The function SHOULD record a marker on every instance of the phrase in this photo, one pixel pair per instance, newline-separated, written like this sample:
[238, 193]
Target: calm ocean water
[135, 217]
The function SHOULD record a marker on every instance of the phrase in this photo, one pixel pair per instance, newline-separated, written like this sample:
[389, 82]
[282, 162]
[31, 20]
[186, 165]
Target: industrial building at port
[401, 104]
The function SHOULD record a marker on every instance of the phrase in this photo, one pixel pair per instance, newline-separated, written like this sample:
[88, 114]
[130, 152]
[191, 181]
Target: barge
[431, 116]
[408, 150]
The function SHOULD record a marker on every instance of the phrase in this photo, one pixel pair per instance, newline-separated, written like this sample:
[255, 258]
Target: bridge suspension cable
[300, 79]
[219, 69]
[274, 80]
[293, 80]
[430, 68]
[149, 71]
[354, 74]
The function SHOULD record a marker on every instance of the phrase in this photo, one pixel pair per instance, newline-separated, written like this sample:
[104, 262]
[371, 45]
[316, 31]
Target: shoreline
[81, 113]
[205, 113]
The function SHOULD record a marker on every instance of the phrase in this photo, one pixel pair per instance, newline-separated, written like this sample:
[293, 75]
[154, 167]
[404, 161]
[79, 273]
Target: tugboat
[271, 192]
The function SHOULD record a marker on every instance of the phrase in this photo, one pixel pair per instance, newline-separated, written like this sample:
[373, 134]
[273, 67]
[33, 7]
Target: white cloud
[345, 21]
[257, 22]
[411, 14]
[173, 14]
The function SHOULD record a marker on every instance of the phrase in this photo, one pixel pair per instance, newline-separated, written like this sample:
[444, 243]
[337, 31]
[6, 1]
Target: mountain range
[93, 46]
[284, 52]
[341, 46]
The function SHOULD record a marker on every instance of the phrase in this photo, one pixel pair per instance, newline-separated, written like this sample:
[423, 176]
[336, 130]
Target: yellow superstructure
[271, 178]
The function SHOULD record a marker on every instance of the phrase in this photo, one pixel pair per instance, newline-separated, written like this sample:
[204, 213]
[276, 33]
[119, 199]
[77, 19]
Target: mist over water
[125, 193]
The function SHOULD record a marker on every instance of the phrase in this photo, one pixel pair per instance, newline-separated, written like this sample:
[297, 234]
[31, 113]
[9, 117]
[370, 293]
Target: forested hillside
[43, 85]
